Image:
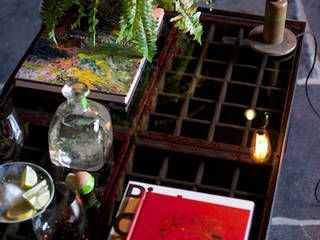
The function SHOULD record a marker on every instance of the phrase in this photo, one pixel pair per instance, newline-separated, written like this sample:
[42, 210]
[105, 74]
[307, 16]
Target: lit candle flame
[250, 114]
[261, 147]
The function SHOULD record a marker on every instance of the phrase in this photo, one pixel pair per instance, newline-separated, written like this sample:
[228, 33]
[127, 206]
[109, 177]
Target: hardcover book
[111, 70]
[179, 214]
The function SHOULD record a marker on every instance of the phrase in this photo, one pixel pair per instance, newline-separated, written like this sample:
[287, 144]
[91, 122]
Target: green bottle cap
[87, 188]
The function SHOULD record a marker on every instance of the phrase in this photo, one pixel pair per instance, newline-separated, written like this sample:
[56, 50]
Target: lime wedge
[34, 191]
[29, 178]
[42, 199]
[39, 200]
[21, 210]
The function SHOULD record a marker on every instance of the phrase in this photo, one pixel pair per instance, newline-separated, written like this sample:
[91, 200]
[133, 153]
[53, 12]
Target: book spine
[136, 216]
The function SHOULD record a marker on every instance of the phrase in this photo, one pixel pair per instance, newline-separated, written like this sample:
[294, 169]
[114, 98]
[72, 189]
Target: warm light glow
[250, 114]
[108, 125]
[261, 149]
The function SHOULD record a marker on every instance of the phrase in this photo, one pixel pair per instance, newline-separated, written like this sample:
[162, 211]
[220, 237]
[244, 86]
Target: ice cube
[10, 194]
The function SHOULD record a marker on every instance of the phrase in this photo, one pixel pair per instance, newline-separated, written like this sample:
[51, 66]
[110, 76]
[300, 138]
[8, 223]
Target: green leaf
[52, 36]
[51, 12]
[188, 19]
[81, 13]
[93, 21]
[139, 25]
[168, 5]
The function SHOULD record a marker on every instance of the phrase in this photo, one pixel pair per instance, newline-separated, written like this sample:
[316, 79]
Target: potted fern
[134, 17]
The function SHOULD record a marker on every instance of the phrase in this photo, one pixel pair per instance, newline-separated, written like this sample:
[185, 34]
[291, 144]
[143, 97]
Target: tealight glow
[261, 147]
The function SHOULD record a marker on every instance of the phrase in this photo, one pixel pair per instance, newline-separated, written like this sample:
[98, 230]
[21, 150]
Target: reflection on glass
[64, 219]
[11, 135]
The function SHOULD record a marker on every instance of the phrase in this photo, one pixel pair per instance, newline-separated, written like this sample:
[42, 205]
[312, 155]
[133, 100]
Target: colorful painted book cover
[111, 70]
[180, 214]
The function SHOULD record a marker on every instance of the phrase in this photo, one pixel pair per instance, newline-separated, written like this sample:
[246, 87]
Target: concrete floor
[19, 24]
[312, 10]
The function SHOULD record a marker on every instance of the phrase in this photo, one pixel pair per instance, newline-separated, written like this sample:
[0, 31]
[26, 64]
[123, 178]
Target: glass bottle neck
[76, 94]
[78, 103]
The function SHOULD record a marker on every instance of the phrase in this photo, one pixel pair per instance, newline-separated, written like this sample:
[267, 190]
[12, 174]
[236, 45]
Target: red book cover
[163, 217]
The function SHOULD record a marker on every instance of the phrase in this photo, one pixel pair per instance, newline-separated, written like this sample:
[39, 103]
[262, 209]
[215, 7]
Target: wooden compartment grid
[222, 86]
[193, 133]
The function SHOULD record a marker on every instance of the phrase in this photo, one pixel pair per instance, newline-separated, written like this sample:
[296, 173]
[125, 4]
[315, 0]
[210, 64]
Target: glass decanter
[80, 133]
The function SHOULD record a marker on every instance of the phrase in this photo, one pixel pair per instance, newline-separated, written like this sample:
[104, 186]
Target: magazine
[229, 218]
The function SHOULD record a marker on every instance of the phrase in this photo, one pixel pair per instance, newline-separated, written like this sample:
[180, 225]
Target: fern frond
[51, 12]
[81, 13]
[128, 17]
[93, 21]
[49, 19]
[52, 37]
[147, 26]
[188, 19]
[138, 25]
[170, 5]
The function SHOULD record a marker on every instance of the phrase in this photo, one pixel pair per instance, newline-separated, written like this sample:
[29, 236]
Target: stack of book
[155, 212]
